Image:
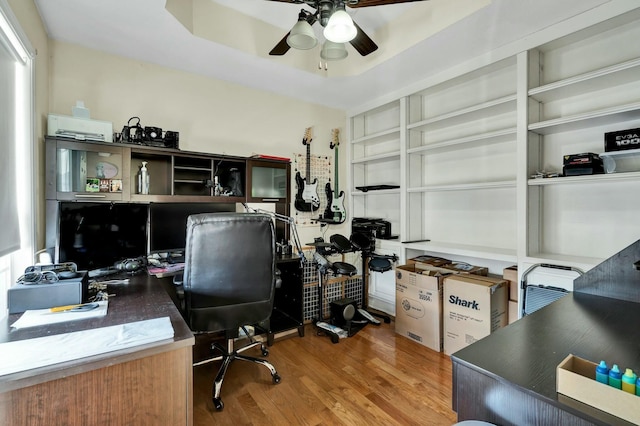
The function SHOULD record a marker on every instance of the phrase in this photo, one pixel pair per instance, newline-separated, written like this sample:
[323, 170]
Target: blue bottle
[602, 373]
[638, 386]
[615, 377]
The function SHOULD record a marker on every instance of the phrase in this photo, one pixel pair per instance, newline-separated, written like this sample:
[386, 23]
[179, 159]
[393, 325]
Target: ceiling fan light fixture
[302, 36]
[340, 28]
[333, 51]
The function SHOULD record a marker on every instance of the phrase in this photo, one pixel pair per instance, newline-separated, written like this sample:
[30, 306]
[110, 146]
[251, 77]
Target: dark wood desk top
[526, 353]
[143, 298]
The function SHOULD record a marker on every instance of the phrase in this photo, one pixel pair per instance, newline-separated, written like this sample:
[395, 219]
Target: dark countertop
[143, 298]
[527, 352]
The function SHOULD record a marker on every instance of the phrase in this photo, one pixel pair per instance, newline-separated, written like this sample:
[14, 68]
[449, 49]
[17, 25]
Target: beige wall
[211, 115]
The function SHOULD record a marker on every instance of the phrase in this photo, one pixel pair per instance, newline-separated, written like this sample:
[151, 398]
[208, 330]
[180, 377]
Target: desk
[145, 385]
[509, 377]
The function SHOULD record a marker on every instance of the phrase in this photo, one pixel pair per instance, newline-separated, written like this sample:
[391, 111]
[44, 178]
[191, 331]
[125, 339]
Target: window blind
[10, 237]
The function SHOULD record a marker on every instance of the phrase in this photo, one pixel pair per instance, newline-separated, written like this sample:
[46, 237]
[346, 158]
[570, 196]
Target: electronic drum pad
[380, 264]
[361, 241]
[343, 268]
[341, 243]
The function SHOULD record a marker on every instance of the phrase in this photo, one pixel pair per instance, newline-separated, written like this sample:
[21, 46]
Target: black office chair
[229, 282]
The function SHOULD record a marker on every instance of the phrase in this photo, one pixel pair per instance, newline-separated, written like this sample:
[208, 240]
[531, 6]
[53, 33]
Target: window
[16, 141]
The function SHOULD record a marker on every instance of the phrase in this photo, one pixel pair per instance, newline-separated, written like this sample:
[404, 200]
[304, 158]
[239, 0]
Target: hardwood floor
[373, 378]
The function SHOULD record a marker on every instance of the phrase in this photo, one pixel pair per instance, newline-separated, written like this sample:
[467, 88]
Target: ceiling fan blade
[363, 43]
[281, 48]
[366, 3]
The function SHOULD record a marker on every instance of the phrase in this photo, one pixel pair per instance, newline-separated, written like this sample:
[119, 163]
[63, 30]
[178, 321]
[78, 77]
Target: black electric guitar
[335, 199]
[307, 199]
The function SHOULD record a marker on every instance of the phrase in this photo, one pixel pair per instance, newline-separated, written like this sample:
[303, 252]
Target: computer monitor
[168, 223]
[97, 235]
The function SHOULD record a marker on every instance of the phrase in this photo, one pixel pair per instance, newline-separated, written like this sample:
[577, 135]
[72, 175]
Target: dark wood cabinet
[94, 171]
[268, 181]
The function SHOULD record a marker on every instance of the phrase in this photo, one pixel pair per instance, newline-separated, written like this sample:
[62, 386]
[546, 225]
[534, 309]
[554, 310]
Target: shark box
[473, 307]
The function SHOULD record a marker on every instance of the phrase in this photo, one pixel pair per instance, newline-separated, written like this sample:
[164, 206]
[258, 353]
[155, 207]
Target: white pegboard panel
[321, 169]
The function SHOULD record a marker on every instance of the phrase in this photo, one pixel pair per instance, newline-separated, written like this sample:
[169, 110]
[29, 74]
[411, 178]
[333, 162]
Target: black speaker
[342, 311]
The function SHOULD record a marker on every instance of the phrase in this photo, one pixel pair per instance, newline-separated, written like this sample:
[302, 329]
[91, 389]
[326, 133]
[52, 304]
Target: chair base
[230, 354]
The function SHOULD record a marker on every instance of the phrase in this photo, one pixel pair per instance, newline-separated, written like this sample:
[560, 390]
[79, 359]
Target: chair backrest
[229, 275]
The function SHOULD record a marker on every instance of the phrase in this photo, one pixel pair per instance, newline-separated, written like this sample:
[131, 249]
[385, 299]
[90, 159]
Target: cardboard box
[621, 140]
[473, 307]
[467, 268]
[429, 260]
[511, 274]
[575, 378]
[419, 303]
[513, 311]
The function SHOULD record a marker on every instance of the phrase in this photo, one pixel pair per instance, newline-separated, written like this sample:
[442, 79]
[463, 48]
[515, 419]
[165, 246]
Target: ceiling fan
[345, 30]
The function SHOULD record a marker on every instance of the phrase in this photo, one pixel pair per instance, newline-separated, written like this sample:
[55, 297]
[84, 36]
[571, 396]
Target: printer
[377, 227]
[79, 128]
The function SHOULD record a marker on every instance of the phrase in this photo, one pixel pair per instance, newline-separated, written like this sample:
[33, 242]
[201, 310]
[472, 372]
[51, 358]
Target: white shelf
[582, 262]
[608, 177]
[465, 186]
[482, 252]
[588, 119]
[486, 109]
[387, 156]
[383, 136]
[614, 75]
[358, 193]
[489, 137]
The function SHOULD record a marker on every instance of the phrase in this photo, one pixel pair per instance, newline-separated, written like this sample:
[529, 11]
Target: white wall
[212, 116]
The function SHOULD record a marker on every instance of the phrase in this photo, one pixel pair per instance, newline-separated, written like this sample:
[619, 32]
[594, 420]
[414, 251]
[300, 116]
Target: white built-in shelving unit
[463, 151]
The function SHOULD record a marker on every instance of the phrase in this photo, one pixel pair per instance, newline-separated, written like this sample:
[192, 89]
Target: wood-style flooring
[375, 377]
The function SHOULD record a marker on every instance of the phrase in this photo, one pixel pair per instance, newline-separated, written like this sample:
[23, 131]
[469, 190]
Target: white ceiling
[146, 31]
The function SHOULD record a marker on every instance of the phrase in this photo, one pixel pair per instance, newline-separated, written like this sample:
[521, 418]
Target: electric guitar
[307, 199]
[335, 201]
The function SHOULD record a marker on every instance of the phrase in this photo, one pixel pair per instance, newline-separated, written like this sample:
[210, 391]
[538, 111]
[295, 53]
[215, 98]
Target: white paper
[37, 317]
[42, 351]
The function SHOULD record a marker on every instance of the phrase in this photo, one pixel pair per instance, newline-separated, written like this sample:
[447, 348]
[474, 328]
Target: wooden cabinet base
[153, 390]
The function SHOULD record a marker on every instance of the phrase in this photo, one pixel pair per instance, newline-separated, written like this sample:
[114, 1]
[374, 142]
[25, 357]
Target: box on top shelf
[621, 140]
[474, 306]
[419, 303]
[469, 269]
[429, 260]
[587, 163]
[510, 274]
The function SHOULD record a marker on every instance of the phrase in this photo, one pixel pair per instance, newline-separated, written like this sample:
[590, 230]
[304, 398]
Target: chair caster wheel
[265, 352]
[217, 402]
[276, 378]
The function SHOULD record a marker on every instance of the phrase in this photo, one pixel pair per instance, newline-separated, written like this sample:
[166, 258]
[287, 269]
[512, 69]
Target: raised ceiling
[230, 39]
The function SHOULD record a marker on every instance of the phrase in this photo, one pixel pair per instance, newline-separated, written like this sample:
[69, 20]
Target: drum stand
[382, 264]
[338, 268]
